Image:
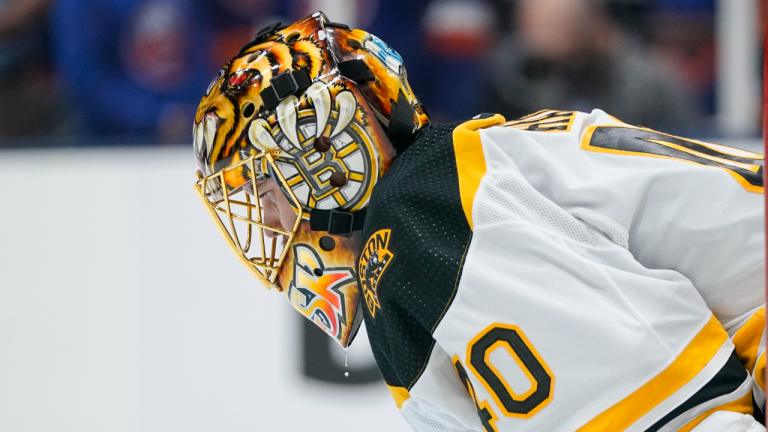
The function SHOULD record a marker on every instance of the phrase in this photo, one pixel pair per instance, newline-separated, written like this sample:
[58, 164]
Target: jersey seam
[581, 213]
[450, 301]
[455, 286]
[632, 309]
[424, 366]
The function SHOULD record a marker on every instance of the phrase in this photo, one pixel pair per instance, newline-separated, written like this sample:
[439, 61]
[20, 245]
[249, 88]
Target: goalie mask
[290, 139]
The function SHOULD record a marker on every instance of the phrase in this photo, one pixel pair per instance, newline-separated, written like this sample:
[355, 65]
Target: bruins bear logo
[372, 263]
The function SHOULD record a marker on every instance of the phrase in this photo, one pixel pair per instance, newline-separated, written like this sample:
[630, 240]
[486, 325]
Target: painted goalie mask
[290, 139]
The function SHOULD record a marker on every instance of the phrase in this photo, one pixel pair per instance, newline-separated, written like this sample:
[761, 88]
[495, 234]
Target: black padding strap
[337, 25]
[337, 222]
[356, 70]
[283, 85]
[302, 78]
[269, 98]
[400, 130]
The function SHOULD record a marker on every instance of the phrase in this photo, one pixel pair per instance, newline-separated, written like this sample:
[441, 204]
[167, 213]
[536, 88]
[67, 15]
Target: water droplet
[346, 374]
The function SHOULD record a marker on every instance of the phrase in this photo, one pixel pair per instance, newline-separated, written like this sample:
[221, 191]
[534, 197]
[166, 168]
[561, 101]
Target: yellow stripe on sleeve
[399, 394]
[684, 368]
[470, 160]
[747, 339]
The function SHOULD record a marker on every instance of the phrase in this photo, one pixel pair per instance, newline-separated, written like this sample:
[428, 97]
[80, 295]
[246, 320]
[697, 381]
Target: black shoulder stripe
[728, 379]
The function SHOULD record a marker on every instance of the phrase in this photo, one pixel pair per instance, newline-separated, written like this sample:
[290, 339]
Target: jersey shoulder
[414, 241]
[599, 132]
[416, 236]
[417, 226]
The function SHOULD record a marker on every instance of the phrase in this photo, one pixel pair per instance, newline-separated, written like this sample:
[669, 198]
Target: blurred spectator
[457, 35]
[140, 66]
[17, 15]
[686, 4]
[29, 102]
[683, 34]
[572, 55]
[443, 43]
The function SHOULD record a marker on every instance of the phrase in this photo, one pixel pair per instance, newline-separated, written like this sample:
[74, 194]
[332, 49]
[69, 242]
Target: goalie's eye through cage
[234, 202]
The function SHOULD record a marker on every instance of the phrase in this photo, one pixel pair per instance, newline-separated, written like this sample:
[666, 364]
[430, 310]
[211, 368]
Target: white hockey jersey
[567, 272]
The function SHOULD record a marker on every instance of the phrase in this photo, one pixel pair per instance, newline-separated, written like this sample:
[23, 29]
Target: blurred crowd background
[112, 72]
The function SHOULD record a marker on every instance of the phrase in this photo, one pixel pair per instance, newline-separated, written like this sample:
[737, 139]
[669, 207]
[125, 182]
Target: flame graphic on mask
[319, 298]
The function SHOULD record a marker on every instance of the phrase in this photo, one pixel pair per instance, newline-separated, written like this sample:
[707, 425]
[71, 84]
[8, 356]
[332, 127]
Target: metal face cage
[239, 214]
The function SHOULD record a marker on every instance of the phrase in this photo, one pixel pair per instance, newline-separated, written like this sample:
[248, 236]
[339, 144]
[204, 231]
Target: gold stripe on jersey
[741, 405]
[544, 121]
[747, 339]
[470, 160]
[399, 394]
[689, 363]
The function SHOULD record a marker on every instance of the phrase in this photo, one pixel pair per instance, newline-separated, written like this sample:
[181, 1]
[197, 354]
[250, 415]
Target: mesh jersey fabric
[418, 200]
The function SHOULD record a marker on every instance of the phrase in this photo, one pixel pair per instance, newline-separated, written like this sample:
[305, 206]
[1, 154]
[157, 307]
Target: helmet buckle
[283, 85]
[341, 223]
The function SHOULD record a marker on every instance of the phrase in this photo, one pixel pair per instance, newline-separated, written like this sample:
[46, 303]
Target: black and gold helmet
[290, 139]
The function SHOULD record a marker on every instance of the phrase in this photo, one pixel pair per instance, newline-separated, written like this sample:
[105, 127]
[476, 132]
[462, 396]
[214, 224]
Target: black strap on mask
[337, 25]
[400, 130]
[263, 34]
[402, 113]
[356, 70]
[400, 134]
[283, 85]
[337, 222]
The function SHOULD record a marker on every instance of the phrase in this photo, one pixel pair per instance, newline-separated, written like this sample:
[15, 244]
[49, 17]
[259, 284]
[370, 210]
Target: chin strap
[337, 222]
